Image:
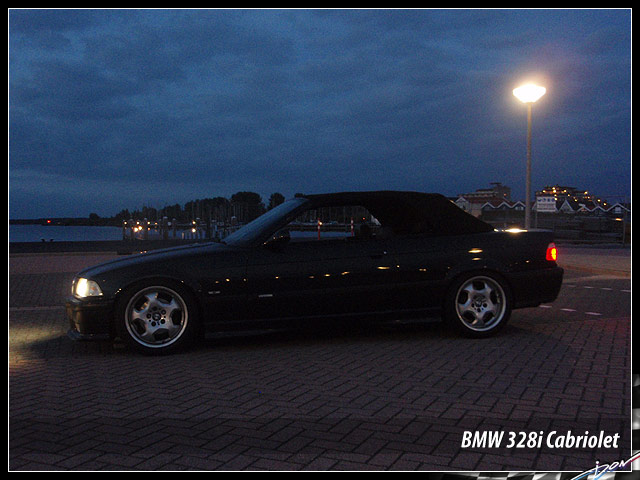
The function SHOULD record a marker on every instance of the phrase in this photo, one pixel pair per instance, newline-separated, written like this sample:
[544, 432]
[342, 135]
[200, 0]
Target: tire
[157, 317]
[478, 304]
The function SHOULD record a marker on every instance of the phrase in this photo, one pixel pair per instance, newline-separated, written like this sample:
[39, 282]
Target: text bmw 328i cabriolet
[370, 254]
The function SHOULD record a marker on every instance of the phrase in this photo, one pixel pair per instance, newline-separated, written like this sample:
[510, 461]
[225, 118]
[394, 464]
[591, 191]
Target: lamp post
[528, 94]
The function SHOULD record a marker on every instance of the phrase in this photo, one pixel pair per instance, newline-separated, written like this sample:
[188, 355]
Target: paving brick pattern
[338, 397]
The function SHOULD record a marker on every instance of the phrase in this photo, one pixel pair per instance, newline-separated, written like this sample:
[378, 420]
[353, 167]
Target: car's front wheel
[478, 304]
[157, 317]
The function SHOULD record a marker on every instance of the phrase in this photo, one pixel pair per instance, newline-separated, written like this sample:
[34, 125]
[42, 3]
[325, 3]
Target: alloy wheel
[480, 303]
[156, 317]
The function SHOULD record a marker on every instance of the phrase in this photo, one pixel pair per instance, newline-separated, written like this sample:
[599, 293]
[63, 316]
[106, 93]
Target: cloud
[190, 103]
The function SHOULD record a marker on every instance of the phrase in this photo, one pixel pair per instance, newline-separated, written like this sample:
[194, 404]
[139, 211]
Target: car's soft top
[409, 212]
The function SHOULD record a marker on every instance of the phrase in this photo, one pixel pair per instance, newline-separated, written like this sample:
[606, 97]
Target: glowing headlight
[86, 288]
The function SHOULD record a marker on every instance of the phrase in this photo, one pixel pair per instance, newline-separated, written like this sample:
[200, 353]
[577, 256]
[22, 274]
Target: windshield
[264, 224]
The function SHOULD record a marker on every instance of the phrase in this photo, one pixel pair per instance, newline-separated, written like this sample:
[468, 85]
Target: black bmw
[332, 255]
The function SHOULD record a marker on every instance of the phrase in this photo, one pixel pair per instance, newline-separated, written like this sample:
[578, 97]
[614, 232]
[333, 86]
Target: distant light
[529, 93]
[514, 230]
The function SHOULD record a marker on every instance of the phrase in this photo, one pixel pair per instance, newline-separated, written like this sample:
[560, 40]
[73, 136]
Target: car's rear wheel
[478, 304]
[157, 317]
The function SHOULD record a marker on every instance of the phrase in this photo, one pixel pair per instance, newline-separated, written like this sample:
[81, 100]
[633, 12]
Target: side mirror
[278, 240]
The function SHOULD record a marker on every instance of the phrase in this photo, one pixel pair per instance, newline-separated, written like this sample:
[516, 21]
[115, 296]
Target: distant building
[472, 202]
[572, 194]
[565, 199]
[546, 204]
[494, 203]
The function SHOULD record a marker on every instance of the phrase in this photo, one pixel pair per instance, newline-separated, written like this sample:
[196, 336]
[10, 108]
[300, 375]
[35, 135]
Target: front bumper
[89, 319]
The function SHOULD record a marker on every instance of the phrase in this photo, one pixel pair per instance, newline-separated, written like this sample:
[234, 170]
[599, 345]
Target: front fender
[174, 277]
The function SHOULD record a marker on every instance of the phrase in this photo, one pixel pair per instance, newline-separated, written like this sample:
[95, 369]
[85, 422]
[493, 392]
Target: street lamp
[528, 94]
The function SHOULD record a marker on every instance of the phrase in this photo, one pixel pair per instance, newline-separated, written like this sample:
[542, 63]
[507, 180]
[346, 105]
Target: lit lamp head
[529, 93]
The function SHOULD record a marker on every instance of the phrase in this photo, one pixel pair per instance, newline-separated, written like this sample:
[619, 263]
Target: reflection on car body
[329, 255]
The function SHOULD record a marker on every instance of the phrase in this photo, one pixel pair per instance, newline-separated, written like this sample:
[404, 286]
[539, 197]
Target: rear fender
[494, 269]
[476, 266]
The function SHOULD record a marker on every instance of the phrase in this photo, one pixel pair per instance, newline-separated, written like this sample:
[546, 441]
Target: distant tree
[274, 200]
[246, 197]
[122, 216]
[218, 208]
[247, 206]
[149, 213]
[173, 211]
[94, 217]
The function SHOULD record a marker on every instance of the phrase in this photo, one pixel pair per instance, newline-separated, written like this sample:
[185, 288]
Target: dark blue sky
[113, 109]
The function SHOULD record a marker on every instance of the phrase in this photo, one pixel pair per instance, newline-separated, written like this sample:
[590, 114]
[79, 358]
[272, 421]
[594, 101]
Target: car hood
[154, 256]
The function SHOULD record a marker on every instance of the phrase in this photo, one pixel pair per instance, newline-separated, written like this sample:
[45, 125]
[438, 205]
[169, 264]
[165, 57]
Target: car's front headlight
[86, 288]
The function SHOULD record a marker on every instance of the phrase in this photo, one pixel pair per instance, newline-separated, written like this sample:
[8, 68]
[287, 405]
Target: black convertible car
[369, 254]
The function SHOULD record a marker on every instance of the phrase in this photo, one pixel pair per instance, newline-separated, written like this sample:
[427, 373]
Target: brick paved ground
[344, 397]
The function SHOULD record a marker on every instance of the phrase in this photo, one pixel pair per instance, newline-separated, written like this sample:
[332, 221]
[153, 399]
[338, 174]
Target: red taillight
[552, 252]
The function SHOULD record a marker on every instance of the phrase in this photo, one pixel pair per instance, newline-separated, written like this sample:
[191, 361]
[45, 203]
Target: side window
[334, 223]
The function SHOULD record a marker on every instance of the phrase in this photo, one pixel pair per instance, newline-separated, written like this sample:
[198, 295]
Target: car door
[331, 276]
[422, 265]
[220, 272]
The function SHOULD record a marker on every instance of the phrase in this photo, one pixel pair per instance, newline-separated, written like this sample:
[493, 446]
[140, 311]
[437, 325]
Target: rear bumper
[89, 320]
[532, 288]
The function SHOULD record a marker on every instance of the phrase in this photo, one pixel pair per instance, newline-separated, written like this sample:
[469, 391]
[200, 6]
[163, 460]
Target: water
[36, 233]
[57, 233]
